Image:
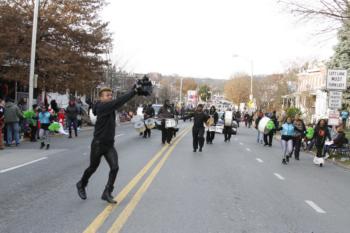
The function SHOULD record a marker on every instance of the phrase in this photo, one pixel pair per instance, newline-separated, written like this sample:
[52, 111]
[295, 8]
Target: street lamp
[32, 56]
[251, 76]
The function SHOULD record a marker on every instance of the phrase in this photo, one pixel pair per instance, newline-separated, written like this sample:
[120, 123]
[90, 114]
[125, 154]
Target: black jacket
[72, 111]
[199, 118]
[166, 112]
[340, 139]
[148, 112]
[105, 122]
[215, 115]
[320, 135]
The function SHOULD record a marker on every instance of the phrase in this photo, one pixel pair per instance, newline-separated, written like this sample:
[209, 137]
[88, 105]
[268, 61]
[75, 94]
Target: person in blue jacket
[287, 134]
[44, 133]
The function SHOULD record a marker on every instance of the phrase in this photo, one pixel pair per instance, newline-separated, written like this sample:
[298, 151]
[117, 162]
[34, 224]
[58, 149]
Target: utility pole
[181, 81]
[33, 50]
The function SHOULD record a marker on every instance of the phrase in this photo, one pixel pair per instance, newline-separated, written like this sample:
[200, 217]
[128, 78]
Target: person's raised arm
[117, 103]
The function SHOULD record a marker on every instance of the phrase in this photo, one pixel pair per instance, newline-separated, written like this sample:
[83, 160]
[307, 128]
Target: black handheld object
[144, 86]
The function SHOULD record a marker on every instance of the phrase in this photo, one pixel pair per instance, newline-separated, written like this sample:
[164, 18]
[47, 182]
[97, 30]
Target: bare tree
[331, 13]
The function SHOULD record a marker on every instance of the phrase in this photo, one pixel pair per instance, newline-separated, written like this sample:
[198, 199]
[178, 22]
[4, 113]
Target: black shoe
[270, 145]
[194, 150]
[265, 144]
[200, 149]
[42, 145]
[107, 196]
[287, 159]
[297, 158]
[70, 136]
[47, 146]
[284, 161]
[81, 190]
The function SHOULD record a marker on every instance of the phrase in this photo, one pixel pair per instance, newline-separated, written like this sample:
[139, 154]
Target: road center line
[22, 165]
[279, 176]
[125, 214]
[248, 149]
[259, 160]
[315, 207]
[241, 143]
[101, 218]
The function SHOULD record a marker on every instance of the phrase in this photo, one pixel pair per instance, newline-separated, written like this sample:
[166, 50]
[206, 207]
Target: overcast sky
[198, 38]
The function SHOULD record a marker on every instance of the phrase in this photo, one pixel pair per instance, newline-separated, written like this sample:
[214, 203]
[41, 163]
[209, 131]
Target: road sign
[336, 79]
[333, 117]
[335, 99]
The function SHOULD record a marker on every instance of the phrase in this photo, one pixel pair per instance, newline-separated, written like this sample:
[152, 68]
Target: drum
[212, 128]
[170, 123]
[140, 126]
[262, 125]
[150, 123]
[228, 118]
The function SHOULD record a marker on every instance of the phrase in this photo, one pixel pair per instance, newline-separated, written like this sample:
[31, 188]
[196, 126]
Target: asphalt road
[239, 186]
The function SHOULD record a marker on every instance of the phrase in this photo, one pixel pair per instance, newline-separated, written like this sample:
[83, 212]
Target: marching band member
[215, 116]
[166, 111]
[228, 128]
[198, 128]
[148, 112]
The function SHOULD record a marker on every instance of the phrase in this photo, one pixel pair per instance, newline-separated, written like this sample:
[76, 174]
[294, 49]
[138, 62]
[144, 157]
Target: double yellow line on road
[122, 218]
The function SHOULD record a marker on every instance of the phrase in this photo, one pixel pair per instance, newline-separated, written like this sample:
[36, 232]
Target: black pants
[227, 133]
[167, 134]
[268, 138]
[147, 133]
[74, 122]
[210, 136]
[297, 146]
[249, 124]
[198, 137]
[319, 148]
[98, 150]
[33, 132]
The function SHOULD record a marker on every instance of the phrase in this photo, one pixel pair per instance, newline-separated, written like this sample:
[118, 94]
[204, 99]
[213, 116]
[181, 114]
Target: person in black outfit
[238, 117]
[215, 116]
[72, 112]
[148, 112]
[320, 136]
[300, 130]
[103, 141]
[228, 129]
[198, 128]
[166, 112]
